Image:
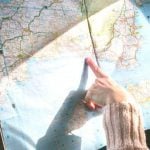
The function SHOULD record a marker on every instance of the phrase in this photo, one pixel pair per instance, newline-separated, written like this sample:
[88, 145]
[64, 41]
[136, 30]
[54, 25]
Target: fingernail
[87, 59]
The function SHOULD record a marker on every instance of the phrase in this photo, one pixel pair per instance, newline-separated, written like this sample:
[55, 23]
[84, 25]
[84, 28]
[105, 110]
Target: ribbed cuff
[124, 127]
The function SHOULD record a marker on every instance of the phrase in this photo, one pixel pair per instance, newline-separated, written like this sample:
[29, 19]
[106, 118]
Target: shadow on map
[72, 115]
[145, 9]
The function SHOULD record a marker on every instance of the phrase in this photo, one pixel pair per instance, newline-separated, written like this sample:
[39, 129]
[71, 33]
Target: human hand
[104, 90]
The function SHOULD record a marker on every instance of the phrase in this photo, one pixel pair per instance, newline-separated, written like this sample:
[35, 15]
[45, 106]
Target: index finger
[96, 70]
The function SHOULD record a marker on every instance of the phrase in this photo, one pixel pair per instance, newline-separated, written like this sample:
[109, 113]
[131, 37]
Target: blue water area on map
[146, 11]
[5, 1]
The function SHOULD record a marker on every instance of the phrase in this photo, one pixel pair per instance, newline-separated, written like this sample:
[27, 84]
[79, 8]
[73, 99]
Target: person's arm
[122, 118]
[124, 127]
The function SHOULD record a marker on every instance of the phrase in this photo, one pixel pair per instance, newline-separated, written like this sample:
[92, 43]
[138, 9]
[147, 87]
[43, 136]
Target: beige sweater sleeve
[124, 128]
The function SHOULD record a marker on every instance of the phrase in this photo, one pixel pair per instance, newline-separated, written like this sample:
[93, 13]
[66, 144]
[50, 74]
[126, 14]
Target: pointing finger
[96, 70]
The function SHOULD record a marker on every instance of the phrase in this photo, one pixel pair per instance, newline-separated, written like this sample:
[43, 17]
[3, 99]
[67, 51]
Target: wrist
[119, 95]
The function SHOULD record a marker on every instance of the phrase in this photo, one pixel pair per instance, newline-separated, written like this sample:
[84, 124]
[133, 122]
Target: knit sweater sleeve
[124, 127]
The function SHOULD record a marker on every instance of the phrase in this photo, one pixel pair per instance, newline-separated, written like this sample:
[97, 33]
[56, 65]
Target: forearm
[122, 119]
[124, 127]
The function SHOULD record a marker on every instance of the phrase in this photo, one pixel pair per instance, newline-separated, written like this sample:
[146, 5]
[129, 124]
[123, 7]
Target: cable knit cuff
[124, 127]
